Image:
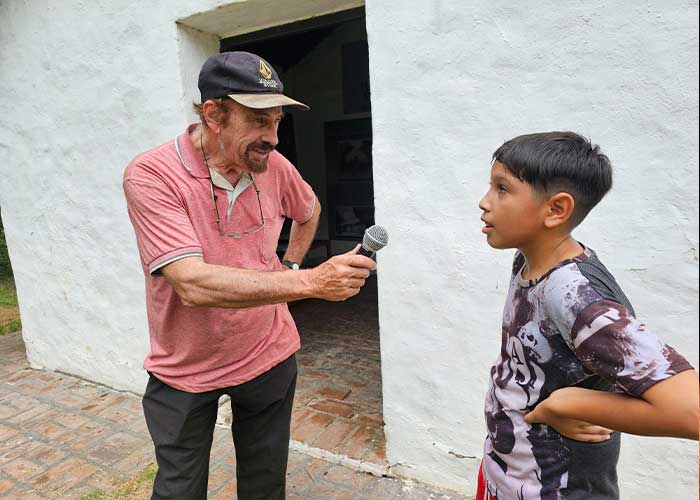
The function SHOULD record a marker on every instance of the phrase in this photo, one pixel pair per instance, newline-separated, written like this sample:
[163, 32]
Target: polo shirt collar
[219, 181]
[196, 168]
[188, 156]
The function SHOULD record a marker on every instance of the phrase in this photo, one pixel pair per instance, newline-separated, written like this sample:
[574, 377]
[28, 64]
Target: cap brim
[262, 101]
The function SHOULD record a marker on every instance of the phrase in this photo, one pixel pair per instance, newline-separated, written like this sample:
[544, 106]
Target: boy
[575, 365]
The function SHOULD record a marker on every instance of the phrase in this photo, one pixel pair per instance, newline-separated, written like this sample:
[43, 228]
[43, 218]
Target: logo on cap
[265, 70]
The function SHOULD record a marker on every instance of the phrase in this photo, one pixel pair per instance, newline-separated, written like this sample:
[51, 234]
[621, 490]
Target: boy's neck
[541, 256]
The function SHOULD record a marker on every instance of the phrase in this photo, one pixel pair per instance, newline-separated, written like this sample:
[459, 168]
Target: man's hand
[550, 412]
[206, 285]
[342, 276]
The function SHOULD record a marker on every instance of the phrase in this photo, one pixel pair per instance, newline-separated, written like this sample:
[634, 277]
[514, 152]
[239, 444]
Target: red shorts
[481, 492]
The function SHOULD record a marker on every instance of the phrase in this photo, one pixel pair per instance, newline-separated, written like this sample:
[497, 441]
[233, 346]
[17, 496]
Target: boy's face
[513, 211]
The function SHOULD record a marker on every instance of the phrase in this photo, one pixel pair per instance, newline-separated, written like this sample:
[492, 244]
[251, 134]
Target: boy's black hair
[555, 162]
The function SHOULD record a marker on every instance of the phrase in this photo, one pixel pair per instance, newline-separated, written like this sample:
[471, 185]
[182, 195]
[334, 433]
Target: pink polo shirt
[197, 349]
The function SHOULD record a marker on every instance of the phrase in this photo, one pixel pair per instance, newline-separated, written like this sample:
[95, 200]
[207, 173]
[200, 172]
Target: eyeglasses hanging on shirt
[214, 197]
[216, 209]
[218, 218]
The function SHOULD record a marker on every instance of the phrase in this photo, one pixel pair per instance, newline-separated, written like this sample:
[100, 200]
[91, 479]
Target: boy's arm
[668, 408]
[660, 386]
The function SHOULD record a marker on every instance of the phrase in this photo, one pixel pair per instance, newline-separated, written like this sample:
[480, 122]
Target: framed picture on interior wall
[355, 63]
[349, 176]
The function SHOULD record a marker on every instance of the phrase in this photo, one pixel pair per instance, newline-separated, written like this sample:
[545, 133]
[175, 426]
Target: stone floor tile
[23, 493]
[89, 437]
[345, 476]
[71, 420]
[69, 472]
[326, 491]
[376, 454]
[46, 455]
[114, 447]
[6, 432]
[227, 492]
[23, 418]
[20, 445]
[385, 488]
[311, 427]
[21, 469]
[136, 460]
[359, 443]
[7, 411]
[299, 414]
[5, 486]
[337, 393]
[333, 407]
[332, 436]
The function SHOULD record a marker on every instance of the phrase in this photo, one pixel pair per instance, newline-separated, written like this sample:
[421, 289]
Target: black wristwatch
[291, 265]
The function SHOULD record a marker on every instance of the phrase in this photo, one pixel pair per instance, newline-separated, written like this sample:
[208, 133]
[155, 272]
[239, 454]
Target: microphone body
[367, 253]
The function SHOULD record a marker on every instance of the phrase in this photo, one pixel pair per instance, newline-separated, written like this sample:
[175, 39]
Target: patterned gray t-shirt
[572, 327]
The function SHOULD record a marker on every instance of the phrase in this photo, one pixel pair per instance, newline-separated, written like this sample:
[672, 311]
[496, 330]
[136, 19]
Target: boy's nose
[483, 204]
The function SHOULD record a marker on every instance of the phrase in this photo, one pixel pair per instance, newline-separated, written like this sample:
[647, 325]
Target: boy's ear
[559, 210]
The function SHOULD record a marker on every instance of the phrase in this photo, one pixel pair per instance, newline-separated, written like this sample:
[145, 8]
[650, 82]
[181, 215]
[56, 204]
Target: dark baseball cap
[246, 78]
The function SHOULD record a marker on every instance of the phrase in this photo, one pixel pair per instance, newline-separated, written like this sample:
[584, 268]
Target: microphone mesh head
[375, 238]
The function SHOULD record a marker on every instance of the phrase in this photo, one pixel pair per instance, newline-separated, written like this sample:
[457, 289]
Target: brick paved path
[339, 390]
[61, 438]
[338, 400]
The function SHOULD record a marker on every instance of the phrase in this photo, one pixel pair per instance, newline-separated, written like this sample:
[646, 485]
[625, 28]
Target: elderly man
[207, 209]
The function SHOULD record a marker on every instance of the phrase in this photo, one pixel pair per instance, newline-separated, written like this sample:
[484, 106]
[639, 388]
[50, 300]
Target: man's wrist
[291, 264]
[308, 287]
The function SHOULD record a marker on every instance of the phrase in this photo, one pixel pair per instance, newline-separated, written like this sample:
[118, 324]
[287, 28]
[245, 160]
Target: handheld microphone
[374, 239]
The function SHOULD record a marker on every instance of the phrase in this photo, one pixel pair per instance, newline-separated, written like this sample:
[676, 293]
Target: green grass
[136, 488]
[8, 294]
[12, 326]
[9, 310]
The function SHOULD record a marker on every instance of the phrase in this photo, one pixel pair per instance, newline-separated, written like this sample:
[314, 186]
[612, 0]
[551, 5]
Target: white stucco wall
[451, 80]
[84, 86]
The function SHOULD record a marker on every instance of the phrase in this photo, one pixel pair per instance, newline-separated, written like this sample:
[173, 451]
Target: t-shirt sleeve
[298, 199]
[613, 344]
[164, 232]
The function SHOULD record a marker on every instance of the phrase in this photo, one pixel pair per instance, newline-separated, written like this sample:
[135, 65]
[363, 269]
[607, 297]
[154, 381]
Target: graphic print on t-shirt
[573, 326]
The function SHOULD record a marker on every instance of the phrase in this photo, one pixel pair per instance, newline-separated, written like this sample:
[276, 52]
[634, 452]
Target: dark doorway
[324, 63]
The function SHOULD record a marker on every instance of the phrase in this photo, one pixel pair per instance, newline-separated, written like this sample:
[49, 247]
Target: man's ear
[211, 111]
[559, 210]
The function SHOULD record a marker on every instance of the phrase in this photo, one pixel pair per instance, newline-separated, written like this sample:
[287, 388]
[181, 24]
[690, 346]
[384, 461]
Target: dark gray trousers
[182, 428]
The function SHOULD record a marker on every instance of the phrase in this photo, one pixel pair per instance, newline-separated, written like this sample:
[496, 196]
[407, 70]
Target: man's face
[513, 211]
[250, 136]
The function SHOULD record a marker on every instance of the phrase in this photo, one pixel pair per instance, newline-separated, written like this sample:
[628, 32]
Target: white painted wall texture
[451, 80]
[84, 86]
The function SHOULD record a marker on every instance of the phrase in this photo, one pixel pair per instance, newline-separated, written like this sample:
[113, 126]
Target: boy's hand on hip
[551, 410]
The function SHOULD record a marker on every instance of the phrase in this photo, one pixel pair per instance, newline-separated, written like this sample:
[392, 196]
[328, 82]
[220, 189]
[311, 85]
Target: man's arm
[205, 285]
[668, 408]
[301, 235]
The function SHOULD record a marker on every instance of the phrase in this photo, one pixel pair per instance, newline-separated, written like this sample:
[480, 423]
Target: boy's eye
[498, 187]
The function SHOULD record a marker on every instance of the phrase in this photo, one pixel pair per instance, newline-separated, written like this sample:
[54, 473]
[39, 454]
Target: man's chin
[257, 166]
